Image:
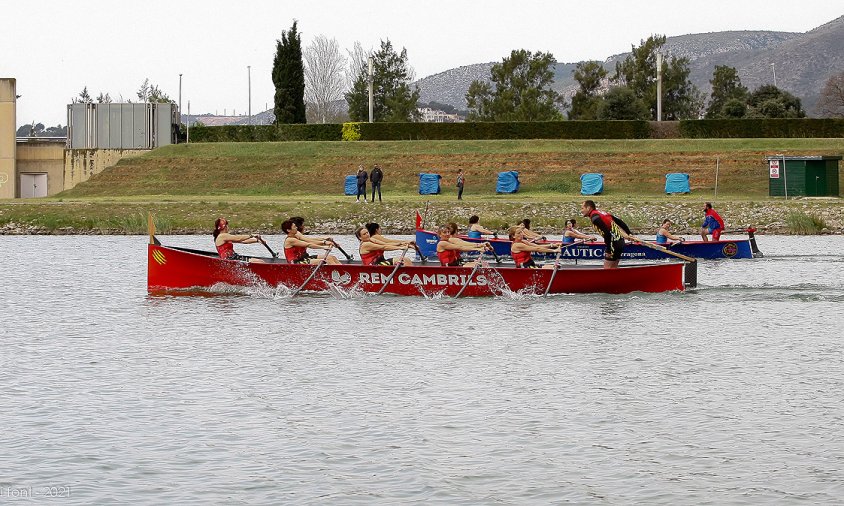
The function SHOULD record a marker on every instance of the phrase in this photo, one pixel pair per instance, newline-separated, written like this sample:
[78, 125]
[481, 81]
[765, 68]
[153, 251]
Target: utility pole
[659, 86]
[249, 74]
[774, 72]
[180, 98]
[371, 94]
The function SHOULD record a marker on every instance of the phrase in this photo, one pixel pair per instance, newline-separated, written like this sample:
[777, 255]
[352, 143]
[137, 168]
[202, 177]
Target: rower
[224, 241]
[521, 250]
[449, 252]
[372, 253]
[664, 233]
[571, 233]
[611, 228]
[296, 250]
[475, 230]
[712, 223]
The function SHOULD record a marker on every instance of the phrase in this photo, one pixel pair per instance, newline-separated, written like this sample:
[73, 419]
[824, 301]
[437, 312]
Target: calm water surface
[730, 393]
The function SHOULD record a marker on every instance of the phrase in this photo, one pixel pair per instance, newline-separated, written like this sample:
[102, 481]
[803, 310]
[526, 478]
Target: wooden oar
[466, 283]
[557, 263]
[273, 253]
[320, 264]
[664, 250]
[399, 263]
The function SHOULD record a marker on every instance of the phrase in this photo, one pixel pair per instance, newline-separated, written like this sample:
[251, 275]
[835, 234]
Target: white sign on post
[775, 169]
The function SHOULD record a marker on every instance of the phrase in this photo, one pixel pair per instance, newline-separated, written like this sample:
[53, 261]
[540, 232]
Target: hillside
[803, 62]
[546, 167]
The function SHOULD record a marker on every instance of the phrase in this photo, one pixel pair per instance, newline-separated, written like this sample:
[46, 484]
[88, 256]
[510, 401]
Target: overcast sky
[54, 49]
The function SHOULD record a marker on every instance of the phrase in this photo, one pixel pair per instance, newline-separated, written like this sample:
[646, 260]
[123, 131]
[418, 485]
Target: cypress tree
[289, 78]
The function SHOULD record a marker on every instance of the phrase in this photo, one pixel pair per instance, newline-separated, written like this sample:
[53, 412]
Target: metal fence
[122, 126]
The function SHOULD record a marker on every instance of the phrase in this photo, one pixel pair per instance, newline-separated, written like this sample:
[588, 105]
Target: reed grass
[800, 222]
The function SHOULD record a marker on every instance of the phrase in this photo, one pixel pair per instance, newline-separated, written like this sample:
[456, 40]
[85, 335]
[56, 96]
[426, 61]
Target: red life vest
[449, 256]
[373, 257]
[520, 257]
[295, 254]
[225, 250]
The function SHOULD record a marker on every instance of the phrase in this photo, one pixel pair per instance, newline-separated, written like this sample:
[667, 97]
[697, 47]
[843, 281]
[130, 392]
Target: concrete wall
[45, 157]
[8, 175]
[81, 164]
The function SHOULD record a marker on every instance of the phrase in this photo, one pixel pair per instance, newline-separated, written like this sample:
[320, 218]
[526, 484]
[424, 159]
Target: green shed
[803, 176]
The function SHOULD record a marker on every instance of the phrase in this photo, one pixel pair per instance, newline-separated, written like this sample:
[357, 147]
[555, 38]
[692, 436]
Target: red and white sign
[775, 169]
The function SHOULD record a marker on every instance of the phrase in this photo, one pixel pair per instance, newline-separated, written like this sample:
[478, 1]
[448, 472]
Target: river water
[729, 393]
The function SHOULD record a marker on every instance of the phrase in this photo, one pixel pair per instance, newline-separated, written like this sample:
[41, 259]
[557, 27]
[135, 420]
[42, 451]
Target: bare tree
[831, 103]
[358, 63]
[324, 79]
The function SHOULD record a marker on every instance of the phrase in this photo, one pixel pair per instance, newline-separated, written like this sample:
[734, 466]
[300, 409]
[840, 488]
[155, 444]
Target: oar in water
[471, 275]
[273, 253]
[664, 250]
[399, 263]
[557, 263]
[313, 273]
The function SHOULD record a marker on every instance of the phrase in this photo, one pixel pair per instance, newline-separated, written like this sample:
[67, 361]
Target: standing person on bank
[611, 228]
[712, 223]
[362, 177]
[460, 182]
[375, 178]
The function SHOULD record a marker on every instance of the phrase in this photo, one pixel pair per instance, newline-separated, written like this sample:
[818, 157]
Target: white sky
[55, 48]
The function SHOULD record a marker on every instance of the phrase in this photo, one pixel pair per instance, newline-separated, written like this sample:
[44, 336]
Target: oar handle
[421, 256]
[494, 254]
[273, 253]
[341, 250]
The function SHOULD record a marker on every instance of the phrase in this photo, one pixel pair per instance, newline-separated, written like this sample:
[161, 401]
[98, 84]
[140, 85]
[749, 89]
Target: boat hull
[180, 269]
[710, 250]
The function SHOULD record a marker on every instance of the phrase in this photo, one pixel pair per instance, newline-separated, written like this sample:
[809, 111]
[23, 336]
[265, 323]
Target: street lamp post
[249, 73]
[371, 93]
[659, 86]
[774, 72]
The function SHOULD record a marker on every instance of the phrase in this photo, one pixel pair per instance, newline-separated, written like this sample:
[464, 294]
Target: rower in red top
[296, 250]
[521, 250]
[613, 230]
[372, 253]
[449, 252]
[712, 223]
[224, 241]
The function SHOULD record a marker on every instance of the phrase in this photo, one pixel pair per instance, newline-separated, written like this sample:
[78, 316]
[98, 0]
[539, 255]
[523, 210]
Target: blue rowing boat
[709, 250]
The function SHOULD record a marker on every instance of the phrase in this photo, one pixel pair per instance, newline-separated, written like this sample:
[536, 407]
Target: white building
[436, 116]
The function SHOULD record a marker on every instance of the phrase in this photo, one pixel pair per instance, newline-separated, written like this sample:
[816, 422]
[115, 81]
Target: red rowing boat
[173, 268]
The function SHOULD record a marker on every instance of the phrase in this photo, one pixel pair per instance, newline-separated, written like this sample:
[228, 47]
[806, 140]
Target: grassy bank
[257, 185]
[631, 168]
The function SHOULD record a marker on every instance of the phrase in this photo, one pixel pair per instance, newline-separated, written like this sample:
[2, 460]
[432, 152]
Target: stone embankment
[825, 216]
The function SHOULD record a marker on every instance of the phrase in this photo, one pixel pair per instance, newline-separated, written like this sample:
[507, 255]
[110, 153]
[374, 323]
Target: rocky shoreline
[826, 216]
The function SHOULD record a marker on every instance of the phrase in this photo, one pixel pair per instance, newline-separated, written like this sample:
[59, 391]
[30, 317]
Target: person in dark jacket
[460, 182]
[362, 177]
[375, 177]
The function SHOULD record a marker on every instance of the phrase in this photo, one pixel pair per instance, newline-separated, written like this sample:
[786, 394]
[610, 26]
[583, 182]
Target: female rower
[375, 236]
[301, 234]
[372, 253]
[571, 233]
[224, 241]
[475, 228]
[530, 235]
[449, 252]
[521, 250]
[296, 250]
[664, 233]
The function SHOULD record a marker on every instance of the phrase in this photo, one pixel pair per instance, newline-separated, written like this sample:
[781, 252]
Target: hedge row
[762, 128]
[711, 129]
